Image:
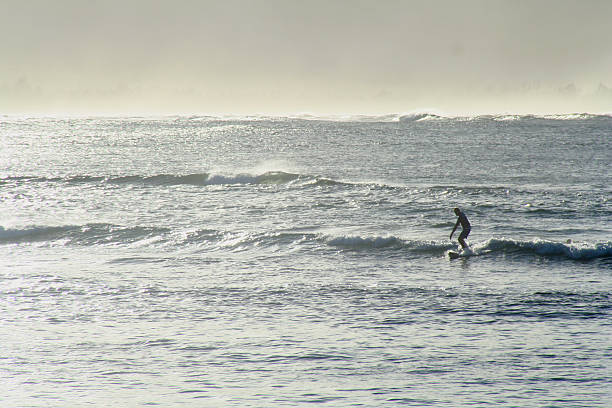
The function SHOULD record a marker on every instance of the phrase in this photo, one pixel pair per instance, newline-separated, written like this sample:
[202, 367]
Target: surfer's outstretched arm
[454, 229]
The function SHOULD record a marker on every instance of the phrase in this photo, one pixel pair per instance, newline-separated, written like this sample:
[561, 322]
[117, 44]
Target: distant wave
[420, 117]
[95, 234]
[33, 233]
[547, 117]
[428, 116]
[89, 234]
[425, 116]
[265, 178]
[390, 117]
[416, 116]
[197, 179]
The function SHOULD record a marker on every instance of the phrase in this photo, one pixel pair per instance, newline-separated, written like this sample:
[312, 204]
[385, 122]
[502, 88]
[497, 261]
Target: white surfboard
[464, 253]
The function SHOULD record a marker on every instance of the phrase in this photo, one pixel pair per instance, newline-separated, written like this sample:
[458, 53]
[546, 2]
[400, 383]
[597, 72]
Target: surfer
[465, 226]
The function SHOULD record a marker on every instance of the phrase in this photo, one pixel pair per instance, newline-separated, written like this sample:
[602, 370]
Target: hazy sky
[286, 56]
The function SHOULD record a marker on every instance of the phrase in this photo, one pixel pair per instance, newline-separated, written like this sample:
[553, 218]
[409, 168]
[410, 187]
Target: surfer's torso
[465, 224]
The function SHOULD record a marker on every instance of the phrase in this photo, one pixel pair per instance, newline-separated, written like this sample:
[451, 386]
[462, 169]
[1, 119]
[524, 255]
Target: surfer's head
[457, 211]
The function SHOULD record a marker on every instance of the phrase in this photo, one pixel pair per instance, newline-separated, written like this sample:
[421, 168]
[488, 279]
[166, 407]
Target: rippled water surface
[264, 262]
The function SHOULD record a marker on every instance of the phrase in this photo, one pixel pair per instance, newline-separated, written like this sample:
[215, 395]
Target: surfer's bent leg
[463, 236]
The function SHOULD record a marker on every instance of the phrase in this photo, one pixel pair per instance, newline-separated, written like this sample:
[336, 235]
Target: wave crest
[420, 117]
[575, 251]
[110, 234]
[196, 179]
[392, 242]
[89, 234]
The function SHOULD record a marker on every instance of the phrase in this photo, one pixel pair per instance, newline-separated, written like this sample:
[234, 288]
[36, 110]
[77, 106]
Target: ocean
[303, 261]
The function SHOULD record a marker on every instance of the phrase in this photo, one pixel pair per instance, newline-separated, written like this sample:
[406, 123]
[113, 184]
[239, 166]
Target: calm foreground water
[236, 262]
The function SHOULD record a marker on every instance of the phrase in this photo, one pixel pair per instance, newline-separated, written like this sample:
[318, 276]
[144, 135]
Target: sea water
[302, 261]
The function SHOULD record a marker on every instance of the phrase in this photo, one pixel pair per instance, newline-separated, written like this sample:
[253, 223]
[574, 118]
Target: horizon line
[301, 114]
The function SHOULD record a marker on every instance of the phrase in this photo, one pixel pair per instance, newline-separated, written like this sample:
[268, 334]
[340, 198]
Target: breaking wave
[110, 234]
[415, 116]
[196, 179]
[392, 242]
[569, 250]
[420, 117]
[425, 116]
[85, 235]
[573, 251]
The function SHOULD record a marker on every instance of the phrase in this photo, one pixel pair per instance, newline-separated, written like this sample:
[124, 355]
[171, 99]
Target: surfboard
[461, 254]
[453, 255]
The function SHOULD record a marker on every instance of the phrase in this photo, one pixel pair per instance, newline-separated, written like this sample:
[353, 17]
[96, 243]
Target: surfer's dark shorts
[464, 233]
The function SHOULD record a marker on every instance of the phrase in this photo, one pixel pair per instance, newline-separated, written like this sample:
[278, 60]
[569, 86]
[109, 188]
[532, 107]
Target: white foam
[571, 250]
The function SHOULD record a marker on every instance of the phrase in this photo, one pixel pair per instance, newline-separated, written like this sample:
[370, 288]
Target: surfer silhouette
[465, 226]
